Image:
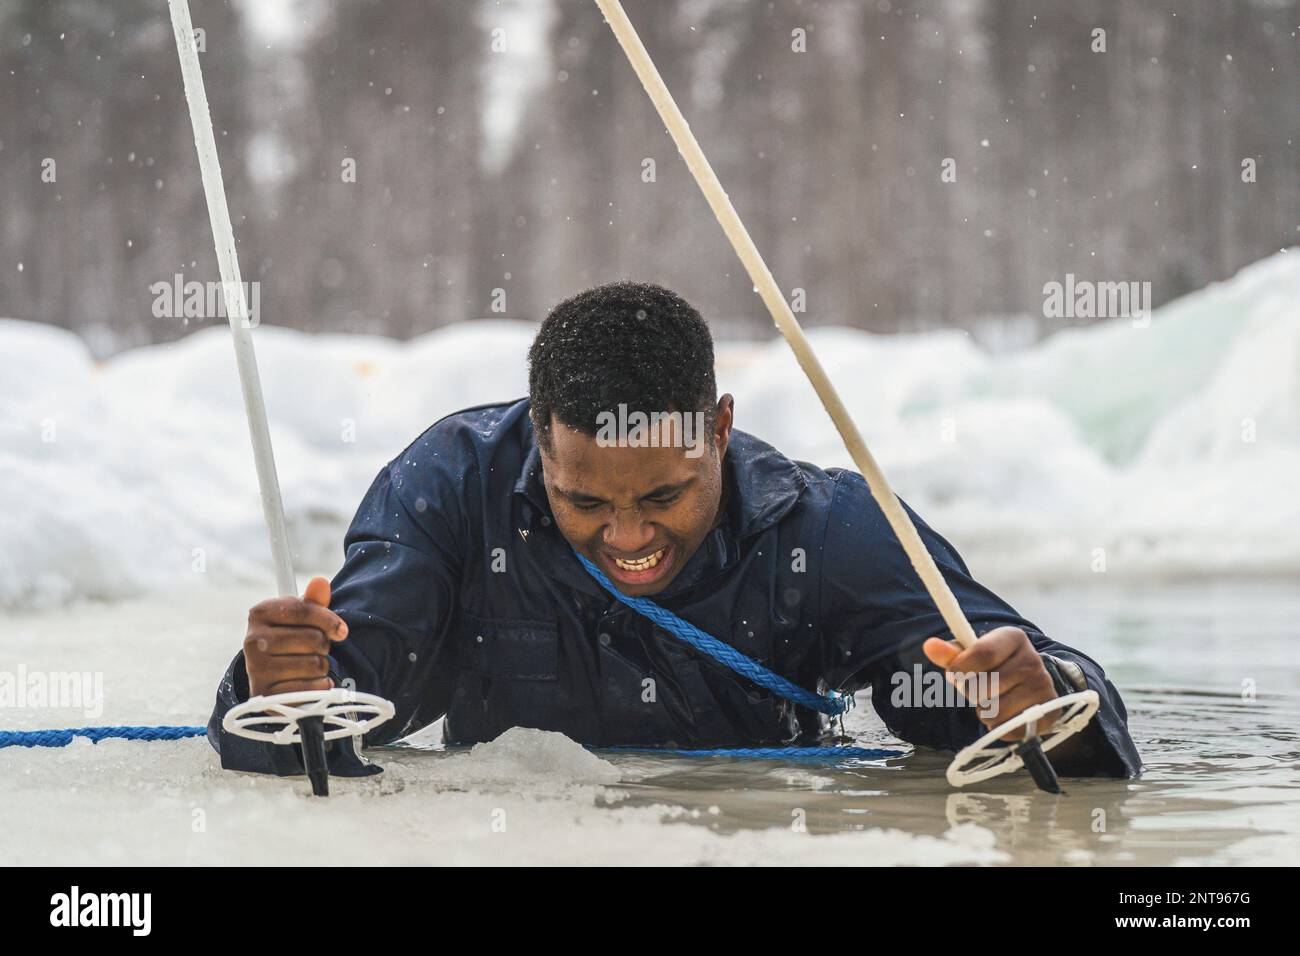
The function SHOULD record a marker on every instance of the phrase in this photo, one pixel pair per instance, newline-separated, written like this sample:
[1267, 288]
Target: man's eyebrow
[660, 491]
[669, 488]
[574, 495]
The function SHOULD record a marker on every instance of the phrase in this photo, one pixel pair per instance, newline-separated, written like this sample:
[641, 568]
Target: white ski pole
[232, 290]
[784, 319]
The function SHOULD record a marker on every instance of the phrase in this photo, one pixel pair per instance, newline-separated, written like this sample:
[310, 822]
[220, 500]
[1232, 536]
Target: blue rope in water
[61, 738]
[769, 753]
[832, 704]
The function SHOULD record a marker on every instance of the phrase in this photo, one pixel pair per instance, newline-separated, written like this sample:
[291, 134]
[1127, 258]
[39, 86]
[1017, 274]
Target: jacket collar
[764, 484]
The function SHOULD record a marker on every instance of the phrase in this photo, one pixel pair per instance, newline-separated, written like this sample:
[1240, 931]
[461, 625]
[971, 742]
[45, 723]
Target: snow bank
[1165, 450]
[1156, 451]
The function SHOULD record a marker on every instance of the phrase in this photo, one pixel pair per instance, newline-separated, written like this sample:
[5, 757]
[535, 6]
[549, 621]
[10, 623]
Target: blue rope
[832, 704]
[61, 738]
[770, 753]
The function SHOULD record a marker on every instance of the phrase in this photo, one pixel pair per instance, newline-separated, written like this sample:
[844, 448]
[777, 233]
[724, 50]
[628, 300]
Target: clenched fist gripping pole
[278, 718]
[986, 757]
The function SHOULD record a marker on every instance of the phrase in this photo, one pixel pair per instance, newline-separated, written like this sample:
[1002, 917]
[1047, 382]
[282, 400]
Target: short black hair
[622, 342]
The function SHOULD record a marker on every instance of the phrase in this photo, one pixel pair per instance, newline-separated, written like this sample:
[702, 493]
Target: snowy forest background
[502, 146]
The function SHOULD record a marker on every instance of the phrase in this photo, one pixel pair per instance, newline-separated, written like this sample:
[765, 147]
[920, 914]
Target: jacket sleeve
[397, 591]
[876, 614]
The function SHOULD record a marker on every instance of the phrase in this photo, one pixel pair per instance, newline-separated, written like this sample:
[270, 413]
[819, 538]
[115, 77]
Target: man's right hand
[288, 640]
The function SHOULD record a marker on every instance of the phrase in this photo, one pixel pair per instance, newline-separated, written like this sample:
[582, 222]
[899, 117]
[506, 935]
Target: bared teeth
[641, 564]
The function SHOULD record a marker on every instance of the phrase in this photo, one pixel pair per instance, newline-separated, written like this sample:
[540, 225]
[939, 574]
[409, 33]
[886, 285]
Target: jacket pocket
[514, 650]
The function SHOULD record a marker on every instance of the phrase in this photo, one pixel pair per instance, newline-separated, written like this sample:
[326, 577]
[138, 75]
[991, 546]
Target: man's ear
[538, 433]
[722, 423]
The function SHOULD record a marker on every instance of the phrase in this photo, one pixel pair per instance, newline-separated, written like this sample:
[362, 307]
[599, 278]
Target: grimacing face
[638, 514]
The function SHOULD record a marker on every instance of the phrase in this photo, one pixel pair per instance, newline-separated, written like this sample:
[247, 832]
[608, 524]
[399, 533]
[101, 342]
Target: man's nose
[627, 531]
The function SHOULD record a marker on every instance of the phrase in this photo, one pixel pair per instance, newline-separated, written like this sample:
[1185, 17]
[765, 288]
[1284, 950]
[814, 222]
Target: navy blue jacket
[463, 600]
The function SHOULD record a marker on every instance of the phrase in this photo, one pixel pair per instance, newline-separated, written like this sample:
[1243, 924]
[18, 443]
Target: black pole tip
[312, 732]
[1039, 767]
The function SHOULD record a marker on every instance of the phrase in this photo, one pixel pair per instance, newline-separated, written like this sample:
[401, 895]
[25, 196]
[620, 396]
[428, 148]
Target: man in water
[461, 596]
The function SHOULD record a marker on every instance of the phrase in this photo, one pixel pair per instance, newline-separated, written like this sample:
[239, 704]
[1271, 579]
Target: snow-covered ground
[1164, 450]
[457, 810]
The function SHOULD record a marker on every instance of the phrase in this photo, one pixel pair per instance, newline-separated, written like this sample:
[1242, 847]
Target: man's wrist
[1067, 676]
